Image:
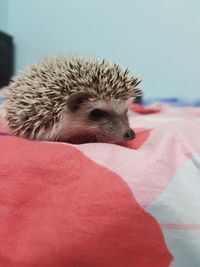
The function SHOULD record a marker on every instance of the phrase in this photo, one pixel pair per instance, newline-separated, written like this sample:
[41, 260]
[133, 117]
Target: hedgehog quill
[72, 99]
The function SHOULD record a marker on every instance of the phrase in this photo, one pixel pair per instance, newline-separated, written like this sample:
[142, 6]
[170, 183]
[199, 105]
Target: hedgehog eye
[97, 114]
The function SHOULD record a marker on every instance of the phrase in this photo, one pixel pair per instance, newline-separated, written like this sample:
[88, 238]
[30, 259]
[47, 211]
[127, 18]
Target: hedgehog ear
[76, 99]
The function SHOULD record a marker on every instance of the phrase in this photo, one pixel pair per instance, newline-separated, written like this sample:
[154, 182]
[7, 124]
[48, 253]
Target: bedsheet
[102, 205]
[177, 102]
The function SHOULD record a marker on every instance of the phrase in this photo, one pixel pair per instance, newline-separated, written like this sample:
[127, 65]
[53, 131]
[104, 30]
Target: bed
[103, 205]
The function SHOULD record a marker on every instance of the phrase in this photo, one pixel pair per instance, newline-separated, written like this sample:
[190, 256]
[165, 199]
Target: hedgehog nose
[129, 134]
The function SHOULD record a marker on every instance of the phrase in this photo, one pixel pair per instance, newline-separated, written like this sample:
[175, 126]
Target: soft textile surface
[103, 205]
[178, 102]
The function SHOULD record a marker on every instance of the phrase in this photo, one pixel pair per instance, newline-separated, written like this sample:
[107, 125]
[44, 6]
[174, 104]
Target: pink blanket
[103, 205]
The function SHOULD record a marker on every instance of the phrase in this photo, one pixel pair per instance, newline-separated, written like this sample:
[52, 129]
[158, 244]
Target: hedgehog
[72, 99]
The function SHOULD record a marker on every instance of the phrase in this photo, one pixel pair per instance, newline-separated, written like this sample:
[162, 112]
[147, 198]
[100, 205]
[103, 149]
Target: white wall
[159, 39]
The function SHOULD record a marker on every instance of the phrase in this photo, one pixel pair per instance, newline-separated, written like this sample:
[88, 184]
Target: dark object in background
[6, 58]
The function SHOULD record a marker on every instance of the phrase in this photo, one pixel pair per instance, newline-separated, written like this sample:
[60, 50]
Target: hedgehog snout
[129, 134]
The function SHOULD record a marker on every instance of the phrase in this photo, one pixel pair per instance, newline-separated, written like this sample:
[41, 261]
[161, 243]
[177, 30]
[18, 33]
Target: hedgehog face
[98, 120]
[112, 125]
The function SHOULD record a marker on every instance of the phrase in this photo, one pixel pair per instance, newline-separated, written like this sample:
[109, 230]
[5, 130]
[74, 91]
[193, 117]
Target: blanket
[104, 205]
